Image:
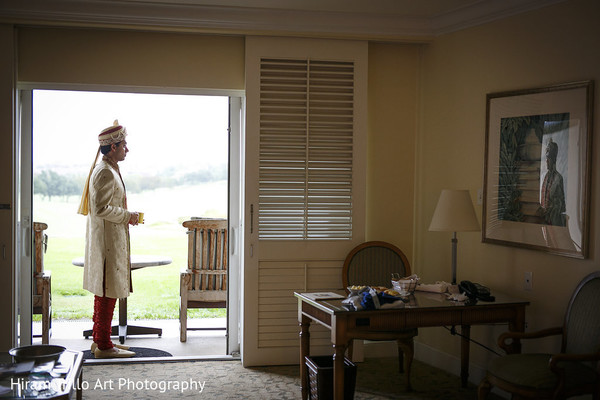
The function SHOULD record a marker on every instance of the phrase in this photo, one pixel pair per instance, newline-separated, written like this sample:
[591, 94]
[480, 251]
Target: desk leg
[338, 371]
[304, 352]
[464, 354]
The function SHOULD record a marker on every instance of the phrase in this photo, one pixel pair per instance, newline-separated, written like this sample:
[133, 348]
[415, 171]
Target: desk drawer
[434, 317]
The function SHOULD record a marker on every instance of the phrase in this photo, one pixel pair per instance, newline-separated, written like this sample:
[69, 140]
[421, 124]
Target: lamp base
[454, 247]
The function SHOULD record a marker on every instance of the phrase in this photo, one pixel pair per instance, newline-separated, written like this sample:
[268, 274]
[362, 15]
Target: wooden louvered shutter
[305, 174]
[306, 145]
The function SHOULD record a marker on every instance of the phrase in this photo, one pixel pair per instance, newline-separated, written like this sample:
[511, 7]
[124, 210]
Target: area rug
[139, 353]
[377, 379]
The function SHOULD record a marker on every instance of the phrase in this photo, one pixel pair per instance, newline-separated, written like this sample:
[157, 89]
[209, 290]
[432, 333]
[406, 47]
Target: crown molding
[188, 16]
[483, 12]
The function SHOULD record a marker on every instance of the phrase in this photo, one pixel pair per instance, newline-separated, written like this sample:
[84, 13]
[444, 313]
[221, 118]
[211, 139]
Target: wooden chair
[42, 294]
[372, 264]
[575, 370]
[204, 283]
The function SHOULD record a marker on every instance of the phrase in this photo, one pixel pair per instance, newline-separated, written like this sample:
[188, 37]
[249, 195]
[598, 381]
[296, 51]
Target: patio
[200, 344]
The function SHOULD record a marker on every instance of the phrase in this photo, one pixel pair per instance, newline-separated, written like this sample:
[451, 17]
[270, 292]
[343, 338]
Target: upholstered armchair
[574, 370]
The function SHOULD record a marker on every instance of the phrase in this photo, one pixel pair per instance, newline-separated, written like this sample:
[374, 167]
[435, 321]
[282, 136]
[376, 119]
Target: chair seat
[532, 371]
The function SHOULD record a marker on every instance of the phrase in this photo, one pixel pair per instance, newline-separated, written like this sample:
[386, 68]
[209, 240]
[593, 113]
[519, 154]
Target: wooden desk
[423, 310]
[68, 380]
[137, 262]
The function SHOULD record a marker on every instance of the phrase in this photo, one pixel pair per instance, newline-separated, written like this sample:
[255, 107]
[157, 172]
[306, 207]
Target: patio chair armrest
[43, 275]
[505, 345]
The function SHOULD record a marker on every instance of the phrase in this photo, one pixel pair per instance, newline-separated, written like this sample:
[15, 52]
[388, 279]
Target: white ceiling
[396, 20]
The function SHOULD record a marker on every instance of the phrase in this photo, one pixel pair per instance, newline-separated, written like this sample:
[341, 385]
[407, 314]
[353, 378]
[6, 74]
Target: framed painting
[537, 168]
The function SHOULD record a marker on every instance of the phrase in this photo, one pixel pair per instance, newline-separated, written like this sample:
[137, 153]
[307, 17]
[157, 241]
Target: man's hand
[134, 218]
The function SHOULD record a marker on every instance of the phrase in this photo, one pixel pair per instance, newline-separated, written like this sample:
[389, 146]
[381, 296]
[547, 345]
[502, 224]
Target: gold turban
[113, 134]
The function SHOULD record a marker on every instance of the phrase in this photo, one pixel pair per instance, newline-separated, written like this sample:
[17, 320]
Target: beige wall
[553, 45]
[393, 86]
[103, 57]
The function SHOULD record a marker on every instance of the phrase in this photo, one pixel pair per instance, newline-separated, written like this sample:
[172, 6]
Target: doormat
[140, 352]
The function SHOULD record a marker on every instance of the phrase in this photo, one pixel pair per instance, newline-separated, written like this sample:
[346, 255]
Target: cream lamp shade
[454, 213]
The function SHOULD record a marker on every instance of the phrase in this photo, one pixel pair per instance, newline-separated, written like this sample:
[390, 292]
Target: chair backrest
[582, 321]
[40, 240]
[372, 263]
[41, 243]
[207, 253]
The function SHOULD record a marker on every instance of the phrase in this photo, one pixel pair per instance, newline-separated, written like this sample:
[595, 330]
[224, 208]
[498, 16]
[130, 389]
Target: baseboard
[431, 356]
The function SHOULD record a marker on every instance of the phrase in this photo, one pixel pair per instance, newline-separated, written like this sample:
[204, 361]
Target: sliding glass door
[168, 170]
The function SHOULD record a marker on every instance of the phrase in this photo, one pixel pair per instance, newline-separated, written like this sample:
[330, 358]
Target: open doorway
[177, 169]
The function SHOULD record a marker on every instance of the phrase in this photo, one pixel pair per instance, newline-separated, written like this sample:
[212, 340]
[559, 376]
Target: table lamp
[454, 213]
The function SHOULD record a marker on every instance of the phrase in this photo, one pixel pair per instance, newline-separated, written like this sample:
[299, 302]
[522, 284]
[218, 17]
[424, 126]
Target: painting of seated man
[533, 169]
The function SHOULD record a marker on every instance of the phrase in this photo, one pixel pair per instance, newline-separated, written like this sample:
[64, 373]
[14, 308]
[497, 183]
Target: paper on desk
[438, 287]
[323, 296]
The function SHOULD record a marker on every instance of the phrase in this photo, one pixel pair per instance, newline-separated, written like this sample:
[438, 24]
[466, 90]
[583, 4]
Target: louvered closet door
[305, 184]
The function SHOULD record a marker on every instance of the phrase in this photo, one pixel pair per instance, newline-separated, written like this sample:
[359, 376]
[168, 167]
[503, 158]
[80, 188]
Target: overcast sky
[163, 130]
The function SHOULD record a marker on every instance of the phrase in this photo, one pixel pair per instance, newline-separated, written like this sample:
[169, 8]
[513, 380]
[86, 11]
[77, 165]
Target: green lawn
[155, 289]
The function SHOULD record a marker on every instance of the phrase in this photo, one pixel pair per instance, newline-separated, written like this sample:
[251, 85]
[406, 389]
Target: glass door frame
[24, 191]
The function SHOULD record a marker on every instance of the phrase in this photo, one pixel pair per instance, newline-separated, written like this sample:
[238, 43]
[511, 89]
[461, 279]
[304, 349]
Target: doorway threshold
[144, 360]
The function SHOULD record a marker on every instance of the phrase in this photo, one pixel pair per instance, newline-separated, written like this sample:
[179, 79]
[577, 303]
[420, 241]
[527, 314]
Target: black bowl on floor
[39, 353]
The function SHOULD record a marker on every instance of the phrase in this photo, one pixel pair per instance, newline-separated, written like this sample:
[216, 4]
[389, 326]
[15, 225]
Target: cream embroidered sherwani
[107, 267]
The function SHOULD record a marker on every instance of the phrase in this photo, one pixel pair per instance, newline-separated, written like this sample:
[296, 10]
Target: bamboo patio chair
[42, 293]
[204, 283]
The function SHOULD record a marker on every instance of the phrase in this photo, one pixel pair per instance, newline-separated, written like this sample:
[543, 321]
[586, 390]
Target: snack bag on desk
[373, 300]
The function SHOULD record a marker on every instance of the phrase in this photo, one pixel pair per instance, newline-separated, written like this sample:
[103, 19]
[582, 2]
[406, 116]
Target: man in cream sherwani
[107, 266]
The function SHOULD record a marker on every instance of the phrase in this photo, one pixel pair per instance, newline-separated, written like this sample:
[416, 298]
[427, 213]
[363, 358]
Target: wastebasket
[320, 377]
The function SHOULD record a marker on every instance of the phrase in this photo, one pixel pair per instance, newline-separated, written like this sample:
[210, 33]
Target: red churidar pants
[103, 313]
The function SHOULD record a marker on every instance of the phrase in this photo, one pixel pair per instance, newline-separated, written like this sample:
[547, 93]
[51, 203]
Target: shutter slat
[306, 149]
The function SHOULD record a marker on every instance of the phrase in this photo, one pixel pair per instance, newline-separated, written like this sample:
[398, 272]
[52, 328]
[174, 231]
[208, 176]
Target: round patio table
[122, 330]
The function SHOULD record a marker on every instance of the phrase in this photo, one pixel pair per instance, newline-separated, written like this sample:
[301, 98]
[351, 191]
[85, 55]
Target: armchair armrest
[503, 338]
[560, 357]
[557, 364]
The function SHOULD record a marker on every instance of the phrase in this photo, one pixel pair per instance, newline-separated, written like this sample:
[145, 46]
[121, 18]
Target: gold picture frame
[537, 168]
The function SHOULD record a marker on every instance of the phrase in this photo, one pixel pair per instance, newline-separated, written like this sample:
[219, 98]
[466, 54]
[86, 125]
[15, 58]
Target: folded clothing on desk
[438, 287]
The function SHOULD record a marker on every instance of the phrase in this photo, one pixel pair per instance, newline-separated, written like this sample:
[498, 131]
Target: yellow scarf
[84, 205]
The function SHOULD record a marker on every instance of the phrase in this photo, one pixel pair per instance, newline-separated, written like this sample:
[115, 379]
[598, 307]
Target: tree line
[49, 183]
